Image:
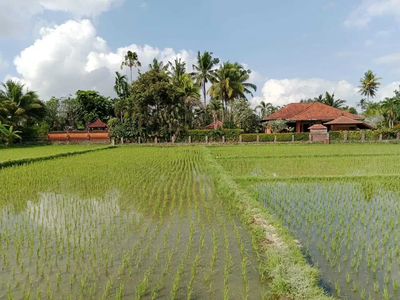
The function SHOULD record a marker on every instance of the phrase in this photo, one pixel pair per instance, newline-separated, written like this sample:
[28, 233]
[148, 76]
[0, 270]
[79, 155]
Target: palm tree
[17, 107]
[190, 92]
[215, 108]
[176, 71]
[230, 82]
[204, 71]
[390, 107]
[131, 60]
[121, 86]
[320, 98]
[158, 66]
[244, 76]
[330, 100]
[265, 108]
[369, 84]
[363, 104]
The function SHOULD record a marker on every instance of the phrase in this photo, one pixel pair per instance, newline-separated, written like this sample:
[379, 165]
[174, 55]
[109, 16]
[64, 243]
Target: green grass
[7, 154]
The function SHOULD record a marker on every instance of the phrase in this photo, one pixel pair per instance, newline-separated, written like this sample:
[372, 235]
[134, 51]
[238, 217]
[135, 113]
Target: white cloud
[283, 91]
[388, 59]
[16, 15]
[369, 9]
[71, 56]
[3, 62]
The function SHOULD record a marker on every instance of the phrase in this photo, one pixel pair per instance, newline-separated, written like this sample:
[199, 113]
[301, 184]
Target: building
[97, 125]
[302, 116]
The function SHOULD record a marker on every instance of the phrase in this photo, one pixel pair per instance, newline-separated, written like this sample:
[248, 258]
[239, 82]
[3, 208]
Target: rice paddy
[341, 202]
[180, 223]
[126, 223]
[7, 154]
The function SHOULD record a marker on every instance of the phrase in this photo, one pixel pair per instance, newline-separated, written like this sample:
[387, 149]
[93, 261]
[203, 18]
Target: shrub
[301, 136]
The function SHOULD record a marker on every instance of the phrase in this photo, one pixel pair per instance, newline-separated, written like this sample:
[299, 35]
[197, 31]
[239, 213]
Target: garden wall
[77, 136]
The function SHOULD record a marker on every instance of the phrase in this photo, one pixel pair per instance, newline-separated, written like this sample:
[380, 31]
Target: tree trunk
[204, 93]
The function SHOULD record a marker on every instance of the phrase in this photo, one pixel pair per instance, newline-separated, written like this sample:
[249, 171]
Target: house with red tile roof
[302, 116]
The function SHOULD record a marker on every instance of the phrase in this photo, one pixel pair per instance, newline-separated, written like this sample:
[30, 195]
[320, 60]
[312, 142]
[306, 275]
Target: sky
[295, 49]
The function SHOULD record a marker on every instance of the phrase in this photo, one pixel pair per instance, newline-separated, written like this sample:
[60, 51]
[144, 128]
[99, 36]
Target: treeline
[165, 101]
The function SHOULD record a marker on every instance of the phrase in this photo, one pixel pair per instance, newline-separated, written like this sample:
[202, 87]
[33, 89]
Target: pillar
[207, 139]
[190, 139]
[223, 139]
[240, 138]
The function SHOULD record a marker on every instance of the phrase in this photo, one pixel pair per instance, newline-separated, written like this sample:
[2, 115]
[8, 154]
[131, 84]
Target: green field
[7, 154]
[200, 222]
[339, 201]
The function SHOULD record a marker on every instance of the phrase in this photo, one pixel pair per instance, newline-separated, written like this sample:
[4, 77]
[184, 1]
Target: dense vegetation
[166, 101]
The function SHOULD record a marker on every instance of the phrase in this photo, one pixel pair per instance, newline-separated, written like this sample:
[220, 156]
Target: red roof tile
[317, 127]
[288, 111]
[97, 124]
[343, 121]
[310, 111]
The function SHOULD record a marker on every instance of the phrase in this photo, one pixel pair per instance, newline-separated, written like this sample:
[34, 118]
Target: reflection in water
[349, 229]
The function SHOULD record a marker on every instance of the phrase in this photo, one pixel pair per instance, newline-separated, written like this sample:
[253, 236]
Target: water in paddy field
[179, 247]
[349, 230]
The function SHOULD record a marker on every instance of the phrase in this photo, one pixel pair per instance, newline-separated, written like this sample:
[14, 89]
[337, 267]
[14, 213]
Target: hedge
[231, 135]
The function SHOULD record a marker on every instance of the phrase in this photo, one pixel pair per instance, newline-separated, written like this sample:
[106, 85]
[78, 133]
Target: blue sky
[297, 49]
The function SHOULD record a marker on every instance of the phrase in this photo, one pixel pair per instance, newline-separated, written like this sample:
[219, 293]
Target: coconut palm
[158, 66]
[265, 108]
[330, 100]
[215, 108]
[320, 98]
[390, 107]
[369, 84]
[204, 71]
[121, 86]
[131, 60]
[190, 93]
[176, 70]
[230, 82]
[18, 108]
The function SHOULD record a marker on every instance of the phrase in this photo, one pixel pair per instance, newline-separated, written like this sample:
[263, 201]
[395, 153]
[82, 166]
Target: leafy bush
[284, 137]
[301, 136]
[231, 135]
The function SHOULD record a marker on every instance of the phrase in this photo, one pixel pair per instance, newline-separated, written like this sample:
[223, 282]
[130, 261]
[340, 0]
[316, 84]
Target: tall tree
[331, 101]
[121, 86]
[369, 84]
[94, 106]
[204, 71]
[176, 70]
[265, 108]
[390, 107]
[230, 82]
[158, 66]
[131, 60]
[19, 108]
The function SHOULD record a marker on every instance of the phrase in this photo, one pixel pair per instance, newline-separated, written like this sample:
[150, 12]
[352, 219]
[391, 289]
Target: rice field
[340, 201]
[125, 223]
[7, 154]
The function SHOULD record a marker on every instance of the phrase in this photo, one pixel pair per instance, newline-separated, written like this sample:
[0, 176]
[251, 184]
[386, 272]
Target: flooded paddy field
[344, 209]
[126, 223]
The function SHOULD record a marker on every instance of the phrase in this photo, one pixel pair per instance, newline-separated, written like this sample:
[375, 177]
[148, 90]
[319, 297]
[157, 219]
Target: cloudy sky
[296, 49]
